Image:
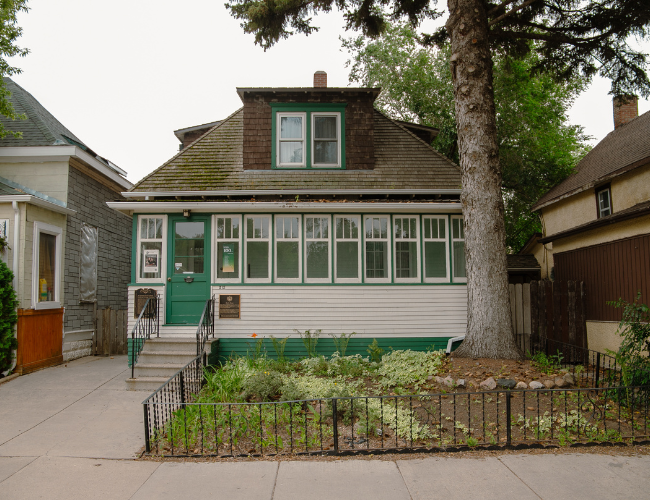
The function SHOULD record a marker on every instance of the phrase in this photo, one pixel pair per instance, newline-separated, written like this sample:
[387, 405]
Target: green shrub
[375, 351]
[400, 368]
[263, 386]
[8, 317]
[309, 340]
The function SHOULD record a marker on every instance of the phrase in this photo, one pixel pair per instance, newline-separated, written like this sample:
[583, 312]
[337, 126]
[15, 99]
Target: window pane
[291, 127]
[188, 247]
[347, 259]
[435, 263]
[288, 259]
[324, 227]
[455, 224]
[235, 227]
[220, 229]
[406, 259]
[228, 260]
[310, 227]
[325, 127]
[158, 228]
[441, 225]
[326, 152]
[257, 255]
[317, 259]
[46, 267]
[376, 259]
[152, 259]
[398, 228]
[291, 152]
[144, 223]
[249, 227]
[459, 259]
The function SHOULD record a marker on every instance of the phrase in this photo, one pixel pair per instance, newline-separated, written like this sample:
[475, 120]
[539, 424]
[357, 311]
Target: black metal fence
[148, 323]
[598, 409]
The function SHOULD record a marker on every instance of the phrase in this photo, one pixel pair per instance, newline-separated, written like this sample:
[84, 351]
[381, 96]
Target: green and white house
[318, 211]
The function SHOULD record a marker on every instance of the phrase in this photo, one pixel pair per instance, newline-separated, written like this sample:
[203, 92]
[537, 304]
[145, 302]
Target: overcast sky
[123, 75]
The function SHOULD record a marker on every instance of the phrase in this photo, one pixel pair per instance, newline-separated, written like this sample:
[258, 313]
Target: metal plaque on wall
[140, 299]
[229, 306]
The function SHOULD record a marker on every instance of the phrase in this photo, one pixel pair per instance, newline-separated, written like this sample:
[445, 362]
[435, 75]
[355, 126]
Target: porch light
[186, 213]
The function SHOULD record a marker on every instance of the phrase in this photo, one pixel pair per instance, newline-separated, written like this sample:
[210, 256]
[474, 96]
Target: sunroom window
[291, 139]
[435, 249]
[317, 248]
[376, 246]
[458, 248]
[228, 245]
[151, 236]
[347, 248]
[258, 256]
[406, 248]
[287, 248]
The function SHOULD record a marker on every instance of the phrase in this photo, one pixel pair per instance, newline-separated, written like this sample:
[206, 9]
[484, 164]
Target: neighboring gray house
[53, 194]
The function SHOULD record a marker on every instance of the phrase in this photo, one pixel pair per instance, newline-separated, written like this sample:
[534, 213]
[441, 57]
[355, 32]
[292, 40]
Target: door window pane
[189, 245]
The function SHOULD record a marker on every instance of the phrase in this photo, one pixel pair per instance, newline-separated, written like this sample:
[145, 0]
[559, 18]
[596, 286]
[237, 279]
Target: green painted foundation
[130, 343]
[225, 348]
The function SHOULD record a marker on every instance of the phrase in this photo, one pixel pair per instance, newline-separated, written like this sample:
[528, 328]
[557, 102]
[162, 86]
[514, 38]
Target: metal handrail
[206, 326]
[148, 322]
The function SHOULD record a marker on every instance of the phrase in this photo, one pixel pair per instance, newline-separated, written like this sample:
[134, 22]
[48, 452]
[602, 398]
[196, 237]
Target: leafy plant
[8, 317]
[263, 386]
[375, 351]
[401, 368]
[546, 364]
[278, 346]
[341, 342]
[309, 340]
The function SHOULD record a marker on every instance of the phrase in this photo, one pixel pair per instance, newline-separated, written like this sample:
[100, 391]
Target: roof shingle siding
[626, 147]
[39, 129]
[215, 162]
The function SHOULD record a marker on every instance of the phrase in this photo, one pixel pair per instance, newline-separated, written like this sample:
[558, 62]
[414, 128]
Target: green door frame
[184, 301]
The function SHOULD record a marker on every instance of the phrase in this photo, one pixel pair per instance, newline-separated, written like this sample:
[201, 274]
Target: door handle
[169, 279]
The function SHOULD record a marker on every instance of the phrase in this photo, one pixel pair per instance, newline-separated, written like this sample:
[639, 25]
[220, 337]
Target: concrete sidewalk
[72, 433]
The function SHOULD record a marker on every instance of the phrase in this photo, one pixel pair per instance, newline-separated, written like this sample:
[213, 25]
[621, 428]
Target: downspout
[14, 205]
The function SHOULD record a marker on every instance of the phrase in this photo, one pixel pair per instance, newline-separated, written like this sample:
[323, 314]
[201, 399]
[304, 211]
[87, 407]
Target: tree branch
[502, 4]
[510, 12]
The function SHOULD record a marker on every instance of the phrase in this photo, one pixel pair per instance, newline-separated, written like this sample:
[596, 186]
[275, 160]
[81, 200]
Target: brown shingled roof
[621, 150]
[214, 162]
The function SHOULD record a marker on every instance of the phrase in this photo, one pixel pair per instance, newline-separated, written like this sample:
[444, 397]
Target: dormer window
[604, 201]
[308, 136]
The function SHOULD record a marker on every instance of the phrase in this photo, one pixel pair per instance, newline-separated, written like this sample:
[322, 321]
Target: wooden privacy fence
[40, 339]
[544, 310]
[111, 333]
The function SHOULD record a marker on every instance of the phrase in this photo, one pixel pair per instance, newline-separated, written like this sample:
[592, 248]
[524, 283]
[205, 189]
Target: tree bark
[489, 324]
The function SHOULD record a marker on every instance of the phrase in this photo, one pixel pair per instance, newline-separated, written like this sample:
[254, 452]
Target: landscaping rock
[429, 378]
[536, 385]
[570, 379]
[521, 385]
[448, 381]
[549, 384]
[506, 383]
[489, 384]
[439, 380]
[560, 382]
[460, 383]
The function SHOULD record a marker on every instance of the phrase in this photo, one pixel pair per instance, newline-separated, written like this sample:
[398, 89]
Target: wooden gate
[111, 333]
[40, 339]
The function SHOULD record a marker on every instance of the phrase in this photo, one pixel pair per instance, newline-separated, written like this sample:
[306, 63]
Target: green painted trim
[331, 284]
[134, 248]
[393, 256]
[308, 109]
[146, 284]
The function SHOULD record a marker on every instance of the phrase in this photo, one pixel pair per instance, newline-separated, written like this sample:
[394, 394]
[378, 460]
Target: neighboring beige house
[543, 254]
[597, 223]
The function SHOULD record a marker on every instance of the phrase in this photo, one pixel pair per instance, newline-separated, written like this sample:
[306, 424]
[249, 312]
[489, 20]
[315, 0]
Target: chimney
[320, 80]
[626, 108]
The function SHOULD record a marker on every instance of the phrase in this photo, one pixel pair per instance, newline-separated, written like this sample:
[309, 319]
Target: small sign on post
[140, 299]
[229, 306]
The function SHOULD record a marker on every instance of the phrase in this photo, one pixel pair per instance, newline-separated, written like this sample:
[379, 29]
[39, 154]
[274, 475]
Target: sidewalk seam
[515, 474]
[145, 481]
[403, 480]
[16, 472]
[275, 482]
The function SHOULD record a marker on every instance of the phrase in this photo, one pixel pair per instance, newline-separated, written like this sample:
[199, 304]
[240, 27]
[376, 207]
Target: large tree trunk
[489, 324]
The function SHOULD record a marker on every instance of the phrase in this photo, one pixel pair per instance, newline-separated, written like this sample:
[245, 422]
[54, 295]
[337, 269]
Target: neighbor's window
[88, 263]
[604, 199]
[458, 248]
[151, 237]
[376, 246]
[347, 248]
[258, 255]
[228, 245]
[436, 261]
[407, 250]
[4, 233]
[317, 248]
[325, 131]
[291, 139]
[46, 266]
[287, 248]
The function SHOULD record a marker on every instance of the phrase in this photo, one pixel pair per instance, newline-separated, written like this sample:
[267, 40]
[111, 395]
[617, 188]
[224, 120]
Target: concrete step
[149, 384]
[165, 357]
[171, 344]
[156, 369]
[178, 330]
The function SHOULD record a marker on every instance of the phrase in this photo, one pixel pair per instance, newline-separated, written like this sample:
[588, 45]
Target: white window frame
[279, 140]
[415, 240]
[389, 258]
[599, 192]
[163, 252]
[296, 239]
[42, 227]
[359, 241]
[329, 247]
[426, 219]
[216, 240]
[336, 114]
[4, 232]
[454, 279]
[269, 240]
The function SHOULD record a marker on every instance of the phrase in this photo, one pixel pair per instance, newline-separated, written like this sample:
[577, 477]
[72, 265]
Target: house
[70, 254]
[314, 211]
[597, 223]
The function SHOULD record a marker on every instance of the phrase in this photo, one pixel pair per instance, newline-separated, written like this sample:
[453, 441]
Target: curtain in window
[46, 267]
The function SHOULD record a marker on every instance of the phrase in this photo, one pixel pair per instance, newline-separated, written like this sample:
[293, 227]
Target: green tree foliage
[634, 329]
[8, 317]
[9, 33]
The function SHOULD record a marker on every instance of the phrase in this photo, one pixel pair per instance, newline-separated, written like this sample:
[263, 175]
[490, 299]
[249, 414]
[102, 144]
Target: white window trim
[446, 241]
[359, 240]
[42, 227]
[609, 199]
[270, 242]
[278, 139]
[216, 240]
[454, 279]
[337, 114]
[163, 252]
[297, 240]
[4, 232]
[415, 240]
[329, 248]
[389, 258]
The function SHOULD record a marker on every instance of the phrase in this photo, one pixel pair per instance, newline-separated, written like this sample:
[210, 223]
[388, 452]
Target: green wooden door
[188, 268]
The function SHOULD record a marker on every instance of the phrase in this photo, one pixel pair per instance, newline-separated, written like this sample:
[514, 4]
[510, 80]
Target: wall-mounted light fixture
[186, 213]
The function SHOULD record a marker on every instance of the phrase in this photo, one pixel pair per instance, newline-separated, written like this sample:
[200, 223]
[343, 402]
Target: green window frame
[257, 232]
[459, 274]
[228, 248]
[347, 248]
[377, 248]
[315, 145]
[317, 249]
[406, 251]
[288, 255]
[436, 249]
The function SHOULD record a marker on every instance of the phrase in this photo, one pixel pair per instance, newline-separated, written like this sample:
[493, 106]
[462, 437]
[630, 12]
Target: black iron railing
[206, 326]
[148, 323]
